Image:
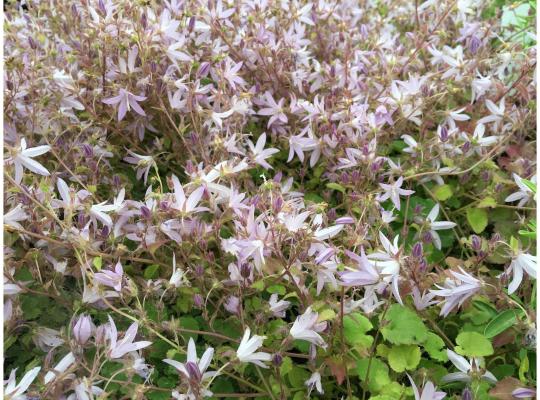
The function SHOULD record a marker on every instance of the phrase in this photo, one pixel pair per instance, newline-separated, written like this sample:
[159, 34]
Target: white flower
[246, 349]
[305, 327]
[314, 381]
[479, 139]
[388, 263]
[118, 349]
[24, 159]
[14, 391]
[393, 191]
[466, 368]
[259, 153]
[278, 307]
[14, 216]
[523, 194]
[437, 225]
[429, 392]
[413, 145]
[189, 204]
[177, 277]
[194, 370]
[497, 113]
[457, 290]
[522, 262]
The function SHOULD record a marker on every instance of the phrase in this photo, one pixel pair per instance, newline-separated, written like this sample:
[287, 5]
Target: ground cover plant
[269, 199]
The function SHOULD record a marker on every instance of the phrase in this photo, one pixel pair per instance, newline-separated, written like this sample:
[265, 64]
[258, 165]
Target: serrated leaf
[435, 347]
[477, 219]
[404, 357]
[473, 344]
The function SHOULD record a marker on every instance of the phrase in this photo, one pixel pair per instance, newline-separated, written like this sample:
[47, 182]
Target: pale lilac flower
[278, 307]
[143, 163]
[305, 327]
[47, 339]
[16, 391]
[83, 328]
[364, 274]
[457, 290]
[232, 305]
[69, 202]
[126, 101]
[521, 262]
[14, 216]
[67, 361]
[194, 369]
[187, 205]
[388, 263]
[111, 278]
[422, 301]
[456, 115]
[429, 392]
[230, 73]
[273, 109]
[117, 349]
[466, 368]
[480, 86]
[497, 113]
[24, 158]
[411, 143]
[524, 193]
[435, 226]
[524, 393]
[478, 138]
[393, 191]
[259, 153]
[85, 390]
[298, 144]
[247, 348]
[328, 233]
[314, 382]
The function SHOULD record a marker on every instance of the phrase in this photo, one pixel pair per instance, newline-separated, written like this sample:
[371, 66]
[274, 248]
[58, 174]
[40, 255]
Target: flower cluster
[321, 198]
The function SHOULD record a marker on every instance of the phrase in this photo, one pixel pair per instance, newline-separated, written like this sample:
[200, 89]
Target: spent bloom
[247, 349]
[314, 382]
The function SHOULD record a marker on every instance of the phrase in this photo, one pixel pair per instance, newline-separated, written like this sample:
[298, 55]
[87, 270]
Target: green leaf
[279, 289]
[501, 322]
[335, 186]
[189, 323]
[488, 202]
[473, 344]
[286, 366]
[378, 373]
[97, 262]
[443, 192]
[404, 357]
[477, 218]
[402, 326]
[355, 326]
[151, 272]
[435, 347]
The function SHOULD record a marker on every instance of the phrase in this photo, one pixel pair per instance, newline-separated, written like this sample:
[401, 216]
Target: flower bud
[277, 359]
[476, 242]
[82, 330]
[417, 250]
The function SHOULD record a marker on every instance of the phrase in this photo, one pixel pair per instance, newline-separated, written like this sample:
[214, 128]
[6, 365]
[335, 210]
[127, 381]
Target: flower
[457, 290]
[428, 393]
[117, 349]
[183, 204]
[143, 163]
[524, 393]
[393, 191]
[466, 367]
[388, 263]
[14, 216]
[111, 278]
[437, 225]
[259, 153]
[126, 101]
[314, 381]
[246, 350]
[305, 327]
[278, 308]
[521, 262]
[524, 193]
[365, 273]
[274, 109]
[14, 391]
[24, 158]
[194, 370]
[177, 277]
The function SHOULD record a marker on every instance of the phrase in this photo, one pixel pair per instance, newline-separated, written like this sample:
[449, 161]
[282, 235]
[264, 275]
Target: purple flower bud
[417, 250]
[144, 21]
[87, 150]
[474, 44]
[499, 187]
[345, 220]
[116, 181]
[203, 70]
[355, 176]
[344, 178]
[32, 43]
[417, 209]
[485, 176]
[495, 238]
[101, 7]
[476, 242]
[444, 134]
[199, 270]
[245, 270]
[466, 147]
[145, 212]
[190, 168]
[191, 24]
[277, 204]
[278, 177]
[82, 330]
[153, 67]
[198, 300]
[466, 394]
[74, 11]
[331, 214]
[277, 359]
[105, 231]
[325, 255]
[423, 265]
[364, 31]
[101, 334]
[427, 237]
[524, 393]
[194, 372]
